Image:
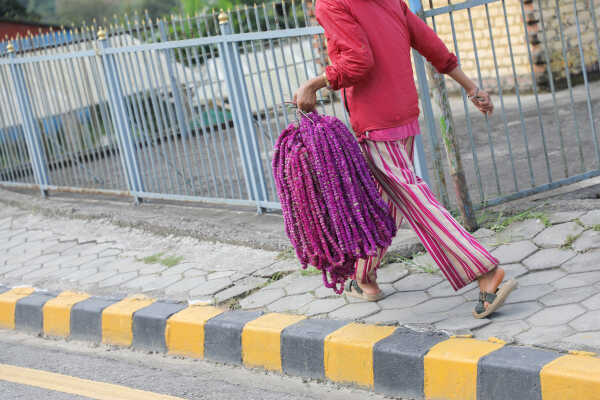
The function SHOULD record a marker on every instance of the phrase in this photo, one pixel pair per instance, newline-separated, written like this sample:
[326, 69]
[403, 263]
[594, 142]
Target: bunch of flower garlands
[332, 209]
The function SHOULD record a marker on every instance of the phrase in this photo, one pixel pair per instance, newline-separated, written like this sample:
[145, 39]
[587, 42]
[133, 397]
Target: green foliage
[171, 261]
[77, 11]
[596, 228]
[568, 244]
[14, 9]
[309, 271]
[502, 223]
[288, 254]
[160, 258]
[153, 259]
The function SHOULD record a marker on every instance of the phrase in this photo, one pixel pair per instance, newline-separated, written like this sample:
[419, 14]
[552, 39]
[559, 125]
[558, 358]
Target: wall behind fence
[481, 46]
[548, 16]
[541, 16]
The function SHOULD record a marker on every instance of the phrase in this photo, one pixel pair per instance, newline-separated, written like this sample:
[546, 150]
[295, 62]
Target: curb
[388, 360]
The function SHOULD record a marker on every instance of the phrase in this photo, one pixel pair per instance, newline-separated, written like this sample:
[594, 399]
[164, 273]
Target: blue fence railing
[190, 108]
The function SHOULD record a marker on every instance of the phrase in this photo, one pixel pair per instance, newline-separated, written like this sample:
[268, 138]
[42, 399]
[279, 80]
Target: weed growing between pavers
[287, 254]
[276, 276]
[153, 259]
[568, 244]
[596, 228]
[310, 271]
[391, 258]
[503, 223]
[171, 261]
[167, 261]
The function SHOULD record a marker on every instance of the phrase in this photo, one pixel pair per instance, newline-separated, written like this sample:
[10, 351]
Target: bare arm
[479, 97]
[306, 96]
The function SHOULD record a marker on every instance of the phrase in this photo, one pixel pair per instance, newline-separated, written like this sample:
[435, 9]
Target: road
[75, 367]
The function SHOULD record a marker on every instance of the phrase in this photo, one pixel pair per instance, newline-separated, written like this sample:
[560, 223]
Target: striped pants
[461, 258]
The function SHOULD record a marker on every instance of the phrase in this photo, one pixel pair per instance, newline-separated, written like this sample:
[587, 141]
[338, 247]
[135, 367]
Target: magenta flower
[332, 210]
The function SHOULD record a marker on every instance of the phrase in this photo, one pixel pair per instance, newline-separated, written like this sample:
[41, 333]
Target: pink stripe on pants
[461, 258]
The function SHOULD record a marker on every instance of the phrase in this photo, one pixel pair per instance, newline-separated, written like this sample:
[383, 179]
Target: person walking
[369, 44]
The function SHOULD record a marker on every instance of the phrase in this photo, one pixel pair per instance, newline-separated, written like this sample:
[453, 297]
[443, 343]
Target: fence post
[415, 6]
[121, 123]
[451, 144]
[179, 112]
[30, 126]
[246, 134]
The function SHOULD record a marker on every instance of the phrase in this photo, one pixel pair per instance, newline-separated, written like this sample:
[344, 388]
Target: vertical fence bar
[535, 91]
[242, 114]
[222, 131]
[553, 90]
[518, 95]
[420, 162]
[120, 121]
[30, 127]
[587, 85]
[452, 150]
[179, 112]
[570, 86]
[226, 167]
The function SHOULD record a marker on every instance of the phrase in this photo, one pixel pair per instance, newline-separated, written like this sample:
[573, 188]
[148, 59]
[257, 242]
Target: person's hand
[305, 98]
[482, 101]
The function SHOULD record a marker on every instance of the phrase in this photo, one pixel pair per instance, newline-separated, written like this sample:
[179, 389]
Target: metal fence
[190, 108]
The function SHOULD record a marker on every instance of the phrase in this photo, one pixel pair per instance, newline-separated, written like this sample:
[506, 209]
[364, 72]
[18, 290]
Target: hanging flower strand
[332, 209]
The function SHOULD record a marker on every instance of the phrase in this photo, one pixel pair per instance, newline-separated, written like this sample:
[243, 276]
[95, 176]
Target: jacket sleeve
[347, 45]
[428, 43]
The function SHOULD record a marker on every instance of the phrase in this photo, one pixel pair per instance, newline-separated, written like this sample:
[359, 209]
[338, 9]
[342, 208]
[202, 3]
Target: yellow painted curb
[184, 334]
[348, 352]
[8, 302]
[450, 368]
[117, 320]
[57, 313]
[261, 340]
[571, 377]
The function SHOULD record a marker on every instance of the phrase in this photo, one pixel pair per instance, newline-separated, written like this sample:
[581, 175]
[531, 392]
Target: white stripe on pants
[461, 258]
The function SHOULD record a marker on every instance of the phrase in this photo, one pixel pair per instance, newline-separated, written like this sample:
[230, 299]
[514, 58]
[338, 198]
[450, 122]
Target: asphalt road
[29, 359]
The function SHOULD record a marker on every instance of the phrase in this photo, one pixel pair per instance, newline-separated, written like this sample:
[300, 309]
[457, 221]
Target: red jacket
[369, 44]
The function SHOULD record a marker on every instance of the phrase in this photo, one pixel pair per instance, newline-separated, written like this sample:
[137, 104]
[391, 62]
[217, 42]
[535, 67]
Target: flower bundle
[332, 210]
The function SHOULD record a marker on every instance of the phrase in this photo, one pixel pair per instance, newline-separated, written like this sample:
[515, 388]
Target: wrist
[472, 90]
[317, 83]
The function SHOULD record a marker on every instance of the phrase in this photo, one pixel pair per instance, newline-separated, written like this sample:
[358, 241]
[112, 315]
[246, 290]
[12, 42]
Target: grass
[276, 276]
[309, 271]
[287, 254]
[596, 228]
[568, 244]
[171, 261]
[395, 258]
[160, 258]
[153, 259]
[503, 223]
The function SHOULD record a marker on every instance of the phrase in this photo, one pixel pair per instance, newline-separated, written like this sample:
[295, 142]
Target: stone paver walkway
[556, 261]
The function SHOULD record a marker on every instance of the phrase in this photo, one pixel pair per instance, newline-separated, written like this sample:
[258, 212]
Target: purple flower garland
[332, 210]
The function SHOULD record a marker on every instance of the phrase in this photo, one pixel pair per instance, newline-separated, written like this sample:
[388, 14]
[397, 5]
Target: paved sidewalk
[555, 257]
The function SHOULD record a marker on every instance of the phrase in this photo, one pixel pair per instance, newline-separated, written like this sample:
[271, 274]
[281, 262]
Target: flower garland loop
[332, 210]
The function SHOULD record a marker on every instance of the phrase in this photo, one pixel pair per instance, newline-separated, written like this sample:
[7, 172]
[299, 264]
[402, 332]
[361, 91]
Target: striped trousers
[461, 258]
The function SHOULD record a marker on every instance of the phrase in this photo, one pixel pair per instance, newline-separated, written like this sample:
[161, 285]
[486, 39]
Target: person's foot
[369, 288]
[491, 281]
[364, 291]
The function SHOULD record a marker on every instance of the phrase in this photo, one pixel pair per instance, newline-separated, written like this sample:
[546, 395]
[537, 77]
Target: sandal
[352, 289]
[495, 300]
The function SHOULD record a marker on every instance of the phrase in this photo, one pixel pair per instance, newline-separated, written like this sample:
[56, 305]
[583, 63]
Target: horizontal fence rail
[189, 108]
